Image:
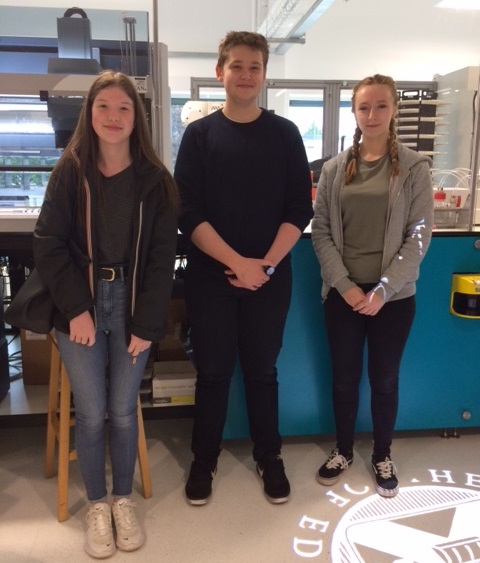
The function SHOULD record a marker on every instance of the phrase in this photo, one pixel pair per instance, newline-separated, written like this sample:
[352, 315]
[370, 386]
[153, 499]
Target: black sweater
[245, 179]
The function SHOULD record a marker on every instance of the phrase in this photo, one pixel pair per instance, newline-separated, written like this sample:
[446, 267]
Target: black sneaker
[198, 489]
[275, 483]
[333, 468]
[385, 476]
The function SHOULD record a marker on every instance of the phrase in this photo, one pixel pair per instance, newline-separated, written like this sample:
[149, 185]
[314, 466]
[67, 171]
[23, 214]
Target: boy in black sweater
[245, 186]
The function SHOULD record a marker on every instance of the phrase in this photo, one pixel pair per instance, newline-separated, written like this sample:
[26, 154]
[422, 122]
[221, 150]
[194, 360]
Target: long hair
[84, 140]
[351, 169]
[250, 39]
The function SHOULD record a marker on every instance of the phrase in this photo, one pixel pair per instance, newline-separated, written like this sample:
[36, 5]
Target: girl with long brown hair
[105, 245]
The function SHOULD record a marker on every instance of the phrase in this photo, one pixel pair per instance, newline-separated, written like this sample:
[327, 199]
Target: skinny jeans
[386, 335]
[105, 385]
[229, 323]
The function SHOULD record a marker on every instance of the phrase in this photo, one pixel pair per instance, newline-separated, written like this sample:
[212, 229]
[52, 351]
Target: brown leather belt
[112, 273]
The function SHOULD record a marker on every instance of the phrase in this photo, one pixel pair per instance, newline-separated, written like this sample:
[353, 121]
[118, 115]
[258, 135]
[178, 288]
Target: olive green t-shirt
[364, 206]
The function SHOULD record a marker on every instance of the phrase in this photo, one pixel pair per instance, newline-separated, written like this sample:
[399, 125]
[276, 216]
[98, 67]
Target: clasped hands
[364, 303]
[249, 273]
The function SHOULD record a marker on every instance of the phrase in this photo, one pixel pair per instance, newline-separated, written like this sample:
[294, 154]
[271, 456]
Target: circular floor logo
[422, 524]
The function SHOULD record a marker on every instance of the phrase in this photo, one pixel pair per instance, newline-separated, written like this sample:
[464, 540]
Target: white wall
[408, 39]
[180, 70]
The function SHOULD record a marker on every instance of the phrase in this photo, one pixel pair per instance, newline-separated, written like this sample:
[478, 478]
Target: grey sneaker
[129, 534]
[99, 542]
[385, 476]
[330, 472]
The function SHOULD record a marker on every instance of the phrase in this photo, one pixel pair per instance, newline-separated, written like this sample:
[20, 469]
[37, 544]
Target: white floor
[439, 501]
[435, 517]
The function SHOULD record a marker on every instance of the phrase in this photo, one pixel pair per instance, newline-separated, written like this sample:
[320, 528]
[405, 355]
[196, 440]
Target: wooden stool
[60, 420]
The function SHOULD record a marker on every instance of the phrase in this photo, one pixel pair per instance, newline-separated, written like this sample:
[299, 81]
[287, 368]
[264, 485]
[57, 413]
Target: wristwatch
[269, 270]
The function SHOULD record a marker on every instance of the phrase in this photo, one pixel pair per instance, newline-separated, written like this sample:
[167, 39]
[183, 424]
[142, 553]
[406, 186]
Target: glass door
[347, 122]
[207, 90]
[305, 107]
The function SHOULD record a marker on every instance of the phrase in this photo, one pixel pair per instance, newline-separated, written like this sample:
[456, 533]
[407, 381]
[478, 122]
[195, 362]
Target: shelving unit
[26, 405]
[419, 123]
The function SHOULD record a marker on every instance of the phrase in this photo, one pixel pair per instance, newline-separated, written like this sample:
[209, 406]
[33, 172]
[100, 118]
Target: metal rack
[419, 121]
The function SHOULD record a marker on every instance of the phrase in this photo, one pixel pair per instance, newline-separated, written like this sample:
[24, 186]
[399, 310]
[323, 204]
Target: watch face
[269, 270]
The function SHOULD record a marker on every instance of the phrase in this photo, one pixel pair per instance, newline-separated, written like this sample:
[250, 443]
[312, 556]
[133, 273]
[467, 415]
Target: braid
[393, 148]
[351, 170]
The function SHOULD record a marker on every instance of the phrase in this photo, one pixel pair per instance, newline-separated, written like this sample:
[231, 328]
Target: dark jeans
[227, 322]
[386, 334]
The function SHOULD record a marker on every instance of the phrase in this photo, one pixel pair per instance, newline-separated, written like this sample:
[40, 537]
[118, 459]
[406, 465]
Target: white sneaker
[129, 534]
[99, 542]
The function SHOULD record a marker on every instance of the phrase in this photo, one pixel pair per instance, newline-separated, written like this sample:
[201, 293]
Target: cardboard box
[145, 391]
[4, 368]
[171, 348]
[173, 383]
[36, 349]
[177, 313]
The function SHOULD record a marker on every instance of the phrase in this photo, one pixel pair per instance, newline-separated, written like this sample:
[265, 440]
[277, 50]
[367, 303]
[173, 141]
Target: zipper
[88, 223]
[387, 222]
[391, 205]
[88, 232]
[337, 203]
[137, 251]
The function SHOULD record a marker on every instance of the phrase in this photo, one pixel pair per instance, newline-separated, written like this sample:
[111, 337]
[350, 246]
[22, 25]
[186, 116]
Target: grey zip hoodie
[408, 229]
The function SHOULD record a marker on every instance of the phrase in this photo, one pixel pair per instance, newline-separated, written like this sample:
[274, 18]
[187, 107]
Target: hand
[82, 329]
[249, 274]
[137, 345]
[353, 296]
[370, 305]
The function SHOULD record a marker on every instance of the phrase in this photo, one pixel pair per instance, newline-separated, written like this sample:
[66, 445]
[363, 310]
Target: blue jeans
[105, 383]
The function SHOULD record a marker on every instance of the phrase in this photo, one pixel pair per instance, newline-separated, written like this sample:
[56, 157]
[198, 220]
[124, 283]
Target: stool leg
[142, 454]
[58, 428]
[63, 446]
[52, 422]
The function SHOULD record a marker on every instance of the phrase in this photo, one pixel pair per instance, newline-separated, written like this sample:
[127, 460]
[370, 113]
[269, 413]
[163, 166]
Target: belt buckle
[112, 274]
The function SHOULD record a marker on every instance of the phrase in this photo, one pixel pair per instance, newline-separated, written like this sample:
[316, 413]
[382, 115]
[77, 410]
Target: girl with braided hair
[371, 229]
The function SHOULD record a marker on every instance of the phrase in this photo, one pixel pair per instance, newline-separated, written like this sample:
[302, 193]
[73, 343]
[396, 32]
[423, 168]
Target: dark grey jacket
[65, 250]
